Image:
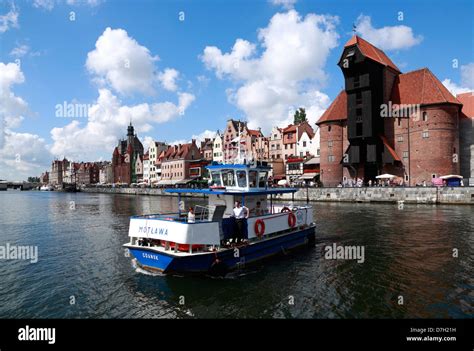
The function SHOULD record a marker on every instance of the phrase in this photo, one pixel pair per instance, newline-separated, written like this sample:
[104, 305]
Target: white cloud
[50, 4]
[21, 154]
[109, 117]
[467, 81]
[12, 107]
[9, 20]
[286, 75]
[120, 62]
[168, 79]
[20, 50]
[107, 122]
[91, 3]
[287, 4]
[44, 4]
[198, 137]
[389, 37]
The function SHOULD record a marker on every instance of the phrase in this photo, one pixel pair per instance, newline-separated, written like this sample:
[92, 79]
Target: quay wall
[415, 195]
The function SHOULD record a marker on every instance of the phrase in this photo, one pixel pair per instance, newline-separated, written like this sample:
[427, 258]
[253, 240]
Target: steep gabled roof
[420, 87]
[337, 110]
[255, 133]
[467, 100]
[371, 52]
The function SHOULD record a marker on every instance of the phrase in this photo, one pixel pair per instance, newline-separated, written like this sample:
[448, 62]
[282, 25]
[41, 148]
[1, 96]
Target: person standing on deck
[240, 213]
[191, 216]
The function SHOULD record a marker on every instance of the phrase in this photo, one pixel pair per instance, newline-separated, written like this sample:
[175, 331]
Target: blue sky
[215, 84]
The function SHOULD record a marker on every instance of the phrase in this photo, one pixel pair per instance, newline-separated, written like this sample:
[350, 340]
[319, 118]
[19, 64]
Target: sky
[74, 73]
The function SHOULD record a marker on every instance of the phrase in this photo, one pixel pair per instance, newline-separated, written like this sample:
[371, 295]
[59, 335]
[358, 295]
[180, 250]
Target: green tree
[300, 116]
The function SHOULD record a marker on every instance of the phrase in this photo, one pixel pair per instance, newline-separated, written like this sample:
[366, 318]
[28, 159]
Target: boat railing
[204, 213]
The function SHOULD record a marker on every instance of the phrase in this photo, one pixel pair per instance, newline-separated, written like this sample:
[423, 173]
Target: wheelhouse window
[262, 179]
[242, 179]
[253, 179]
[228, 177]
[216, 178]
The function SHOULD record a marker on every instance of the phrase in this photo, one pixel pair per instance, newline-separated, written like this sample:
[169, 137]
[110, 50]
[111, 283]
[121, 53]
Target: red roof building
[385, 121]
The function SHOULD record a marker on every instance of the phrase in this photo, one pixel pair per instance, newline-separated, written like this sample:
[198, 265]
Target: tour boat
[170, 244]
[46, 187]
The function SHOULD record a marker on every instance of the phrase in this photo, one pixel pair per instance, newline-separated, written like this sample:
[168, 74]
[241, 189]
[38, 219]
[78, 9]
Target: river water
[82, 271]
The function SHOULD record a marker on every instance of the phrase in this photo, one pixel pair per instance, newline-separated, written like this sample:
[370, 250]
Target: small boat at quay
[240, 225]
[46, 187]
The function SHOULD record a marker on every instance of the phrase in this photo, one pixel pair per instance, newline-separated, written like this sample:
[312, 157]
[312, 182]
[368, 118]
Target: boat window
[241, 179]
[262, 180]
[216, 178]
[228, 177]
[253, 179]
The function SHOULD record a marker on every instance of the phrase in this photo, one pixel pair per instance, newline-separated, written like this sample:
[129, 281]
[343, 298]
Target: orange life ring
[259, 227]
[291, 219]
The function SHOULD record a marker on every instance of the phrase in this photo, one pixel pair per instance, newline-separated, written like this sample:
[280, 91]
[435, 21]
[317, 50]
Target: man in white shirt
[240, 214]
[191, 216]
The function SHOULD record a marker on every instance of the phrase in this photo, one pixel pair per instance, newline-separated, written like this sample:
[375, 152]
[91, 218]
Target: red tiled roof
[370, 51]
[305, 127]
[337, 110]
[467, 100]
[420, 87]
[254, 132]
[290, 128]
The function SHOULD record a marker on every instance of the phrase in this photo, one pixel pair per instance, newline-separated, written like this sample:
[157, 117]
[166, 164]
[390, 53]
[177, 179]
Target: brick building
[385, 121]
[206, 149]
[59, 169]
[124, 158]
[466, 137]
[177, 164]
[86, 173]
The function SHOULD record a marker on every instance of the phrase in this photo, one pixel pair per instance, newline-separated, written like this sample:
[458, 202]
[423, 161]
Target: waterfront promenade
[412, 195]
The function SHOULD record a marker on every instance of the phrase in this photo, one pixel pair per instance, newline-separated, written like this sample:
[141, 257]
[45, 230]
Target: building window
[301, 154]
[399, 120]
[433, 175]
[331, 158]
[304, 143]
[405, 154]
[425, 135]
[329, 128]
[358, 98]
[330, 143]
[317, 152]
[425, 116]
[286, 146]
[400, 138]
[291, 146]
[358, 129]
[356, 81]
[406, 178]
